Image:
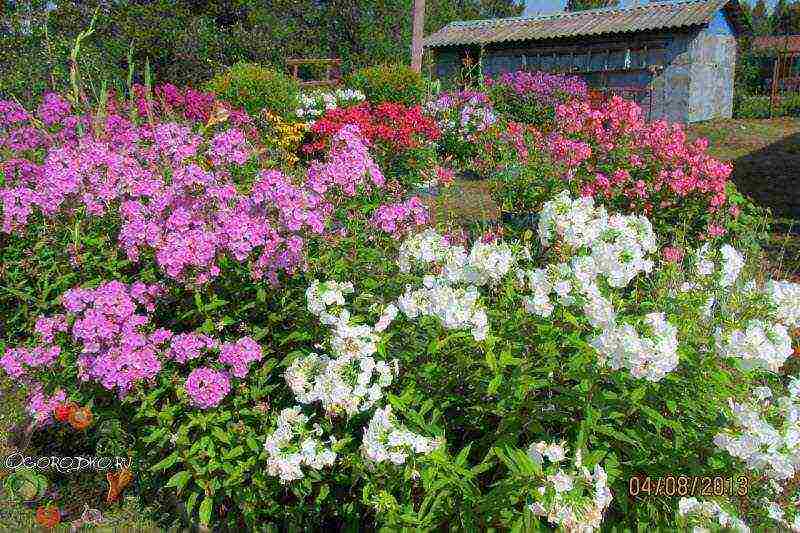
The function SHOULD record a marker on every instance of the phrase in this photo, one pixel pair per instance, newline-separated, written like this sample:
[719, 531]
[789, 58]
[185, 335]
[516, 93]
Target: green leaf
[179, 480]
[205, 510]
[253, 444]
[221, 435]
[165, 463]
[190, 503]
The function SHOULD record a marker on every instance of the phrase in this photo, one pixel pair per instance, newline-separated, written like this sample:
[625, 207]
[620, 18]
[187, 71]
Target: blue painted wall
[719, 25]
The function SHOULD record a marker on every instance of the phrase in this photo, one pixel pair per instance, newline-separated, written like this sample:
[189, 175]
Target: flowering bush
[531, 97]
[389, 83]
[298, 349]
[314, 105]
[254, 88]
[401, 138]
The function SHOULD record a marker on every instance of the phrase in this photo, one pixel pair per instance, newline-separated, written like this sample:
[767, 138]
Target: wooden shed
[676, 58]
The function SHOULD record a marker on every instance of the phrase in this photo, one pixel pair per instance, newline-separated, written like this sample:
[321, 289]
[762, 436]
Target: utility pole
[417, 34]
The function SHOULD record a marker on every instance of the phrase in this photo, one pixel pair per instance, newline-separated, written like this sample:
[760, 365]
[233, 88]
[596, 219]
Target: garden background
[506, 304]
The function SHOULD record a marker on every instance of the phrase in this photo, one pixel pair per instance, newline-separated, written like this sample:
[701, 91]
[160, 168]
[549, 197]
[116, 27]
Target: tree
[760, 18]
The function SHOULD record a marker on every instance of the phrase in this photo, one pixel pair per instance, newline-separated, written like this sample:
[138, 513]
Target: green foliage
[389, 83]
[526, 187]
[25, 485]
[255, 88]
[751, 106]
[188, 42]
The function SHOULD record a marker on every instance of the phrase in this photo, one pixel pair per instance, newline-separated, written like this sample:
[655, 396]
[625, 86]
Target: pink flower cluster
[207, 387]
[348, 165]
[610, 151]
[110, 327]
[175, 194]
[238, 355]
[400, 218]
[41, 406]
[544, 88]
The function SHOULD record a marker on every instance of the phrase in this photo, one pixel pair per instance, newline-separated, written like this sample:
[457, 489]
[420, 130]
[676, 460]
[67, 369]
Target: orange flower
[63, 411]
[797, 351]
[81, 418]
[48, 516]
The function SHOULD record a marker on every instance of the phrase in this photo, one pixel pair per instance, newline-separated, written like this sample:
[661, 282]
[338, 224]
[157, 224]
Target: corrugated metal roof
[653, 16]
[777, 43]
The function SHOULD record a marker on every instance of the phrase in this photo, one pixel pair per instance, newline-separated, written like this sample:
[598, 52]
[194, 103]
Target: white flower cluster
[572, 221]
[650, 357]
[731, 263]
[786, 297]
[452, 294]
[313, 106]
[701, 514]
[571, 284]
[761, 344]
[456, 307]
[293, 445]
[484, 264]
[320, 296]
[352, 380]
[619, 245]
[562, 498]
[772, 448]
[348, 383]
[775, 512]
[385, 439]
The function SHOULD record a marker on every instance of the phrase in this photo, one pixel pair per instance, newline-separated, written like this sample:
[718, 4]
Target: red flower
[48, 516]
[63, 411]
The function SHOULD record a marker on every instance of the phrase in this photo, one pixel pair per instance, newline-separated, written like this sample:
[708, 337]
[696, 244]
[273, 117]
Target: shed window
[616, 60]
[598, 61]
[655, 56]
[580, 61]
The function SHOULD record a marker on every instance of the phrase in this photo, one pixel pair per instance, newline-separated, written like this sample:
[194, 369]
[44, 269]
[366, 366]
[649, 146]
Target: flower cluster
[765, 432]
[314, 105]
[293, 445]
[207, 387]
[464, 114]
[42, 406]
[176, 194]
[110, 327]
[703, 515]
[644, 167]
[541, 88]
[761, 344]
[619, 245]
[730, 265]
[347, 166]
[455, 307]
[650, 357]
[400, 218]
[385, 439]
[571, 497]
[451, 294]
[786, 297]
[394, 127]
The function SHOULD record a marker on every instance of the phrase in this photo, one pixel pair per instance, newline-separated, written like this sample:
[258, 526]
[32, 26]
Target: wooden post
[417, 30]
[774, 94]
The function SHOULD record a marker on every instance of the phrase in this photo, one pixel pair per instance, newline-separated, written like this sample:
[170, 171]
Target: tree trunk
[417, 34]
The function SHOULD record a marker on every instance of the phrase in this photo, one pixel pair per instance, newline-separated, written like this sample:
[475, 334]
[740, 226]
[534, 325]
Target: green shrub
[790, 105]
[255, 88]
[751, 106]
[389, 83]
